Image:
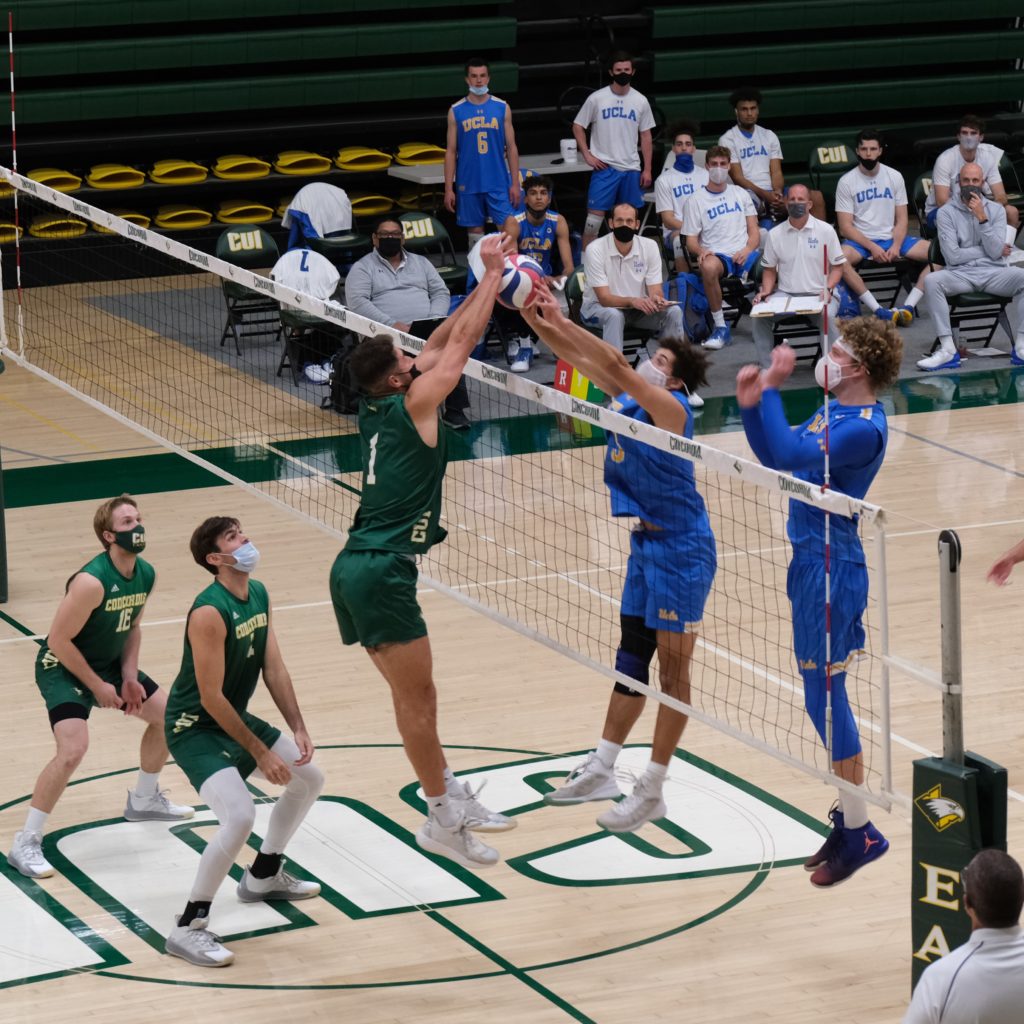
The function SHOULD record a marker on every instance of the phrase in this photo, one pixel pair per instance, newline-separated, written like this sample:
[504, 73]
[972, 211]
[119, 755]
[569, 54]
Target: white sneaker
[282, 886]
[456, 843]
[155, 808]
[198, 946]
[644, 804]
[591, 779]
[512, 348]
[316, 374]
[523, 360]
[940, 359]
[696, 402]
[27, 855]
[477, 817]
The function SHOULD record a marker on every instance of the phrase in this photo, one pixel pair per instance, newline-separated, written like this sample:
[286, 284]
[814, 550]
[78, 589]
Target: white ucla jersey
[872, 199]
[326, 208]
[719, 218]
[307, 271]
[754, 152]
[948, 163]
[673, 188]
[615, 124]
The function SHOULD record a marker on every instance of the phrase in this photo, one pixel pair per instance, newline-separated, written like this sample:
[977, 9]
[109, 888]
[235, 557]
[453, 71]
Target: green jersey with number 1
[402, 479]
[101, 640]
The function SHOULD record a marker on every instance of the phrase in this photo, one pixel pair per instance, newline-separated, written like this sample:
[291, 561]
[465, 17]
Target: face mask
[389, 247]
[966, 191]
[797, 210]
[684, 162]
[969, 142]
[133, 541]
[835, 372]
[479, 90]
[718, 175]
[622, 78]
[651, 374]
[246, 557]
[623, 234]
[868, 165]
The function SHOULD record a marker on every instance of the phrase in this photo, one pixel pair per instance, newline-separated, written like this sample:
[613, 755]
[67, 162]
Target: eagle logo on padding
[940, 810]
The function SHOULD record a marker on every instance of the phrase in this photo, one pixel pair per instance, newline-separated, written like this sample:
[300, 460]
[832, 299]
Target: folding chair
[250, 313]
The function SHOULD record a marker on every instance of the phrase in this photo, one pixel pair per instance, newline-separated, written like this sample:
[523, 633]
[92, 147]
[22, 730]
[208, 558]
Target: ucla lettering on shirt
[756, 150]
[628, 115]
[874, 193]
[475, 123]
[723, 208]
[686, 189]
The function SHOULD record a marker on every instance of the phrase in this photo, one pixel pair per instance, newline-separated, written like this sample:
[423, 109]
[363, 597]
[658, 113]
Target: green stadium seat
[827, 163]
[428, 237]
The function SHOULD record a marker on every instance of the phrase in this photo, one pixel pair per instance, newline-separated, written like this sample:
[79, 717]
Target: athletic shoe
[512, 347]
[155, 808]
[831, 841]
[855, 848]
[523, 360]
[456, 843]
[316, 374]
[644, 804]
[719, 337]
[940, 359]
[197, 945]
[282, 886]
[696, 402]
[477, 817]
[1017, 355]
[456, 419]
[901, 316]
[591, 779]
[27, 855]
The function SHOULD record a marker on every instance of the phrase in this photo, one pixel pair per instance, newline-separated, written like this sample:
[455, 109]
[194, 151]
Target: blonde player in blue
[861, 363]
[672, 559]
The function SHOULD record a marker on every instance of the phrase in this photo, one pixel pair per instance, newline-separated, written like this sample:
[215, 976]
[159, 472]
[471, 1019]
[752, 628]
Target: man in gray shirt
[972, 234]
[403, 290]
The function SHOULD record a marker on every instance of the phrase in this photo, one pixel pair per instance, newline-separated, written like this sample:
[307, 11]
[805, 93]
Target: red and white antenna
[14, 167]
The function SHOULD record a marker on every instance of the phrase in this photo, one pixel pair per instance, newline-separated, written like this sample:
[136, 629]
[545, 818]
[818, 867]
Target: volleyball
[522, 274]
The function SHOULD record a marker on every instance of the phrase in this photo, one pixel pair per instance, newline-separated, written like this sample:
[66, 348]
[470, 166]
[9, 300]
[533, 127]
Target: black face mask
[623, 234]
[622, 78]
[389, 247]
[868, 165]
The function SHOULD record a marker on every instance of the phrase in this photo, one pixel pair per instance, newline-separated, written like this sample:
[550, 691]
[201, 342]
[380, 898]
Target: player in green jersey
[373, 579]
[229, 641]
[91, 658]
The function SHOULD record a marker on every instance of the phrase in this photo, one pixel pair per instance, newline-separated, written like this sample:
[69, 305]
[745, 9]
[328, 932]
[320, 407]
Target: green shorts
[200, 753]
[61, 690]
[374, 595]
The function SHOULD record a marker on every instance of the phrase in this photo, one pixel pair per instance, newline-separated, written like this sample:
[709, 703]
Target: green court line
[17, 625]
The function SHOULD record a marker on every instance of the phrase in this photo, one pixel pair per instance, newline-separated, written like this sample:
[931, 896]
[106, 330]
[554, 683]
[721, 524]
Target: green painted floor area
[338, 455]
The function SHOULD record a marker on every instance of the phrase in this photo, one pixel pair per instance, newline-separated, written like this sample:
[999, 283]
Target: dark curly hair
[689, 362]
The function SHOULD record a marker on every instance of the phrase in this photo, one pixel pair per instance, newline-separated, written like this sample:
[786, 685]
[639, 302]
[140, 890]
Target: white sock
[656, 773]
[1011, 234]
[1018, 344]
[719, 317]
[607, 752]
[452, 785]
[870, 301]
[147, 783]
[36, 820]
[855, 809]
[440, 809]
[474, 236]
[946, 343]
[914, 297]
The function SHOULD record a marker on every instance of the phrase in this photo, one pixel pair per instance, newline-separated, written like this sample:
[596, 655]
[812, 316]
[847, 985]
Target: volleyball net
[132, 321]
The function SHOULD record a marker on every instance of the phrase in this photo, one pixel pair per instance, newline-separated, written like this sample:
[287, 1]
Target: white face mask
[718, 175]
[835, 372]
[246, 557]
[969, 141]
[652, 374]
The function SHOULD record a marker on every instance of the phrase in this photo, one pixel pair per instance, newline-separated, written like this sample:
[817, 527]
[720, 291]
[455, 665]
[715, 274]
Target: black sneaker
[456, 419]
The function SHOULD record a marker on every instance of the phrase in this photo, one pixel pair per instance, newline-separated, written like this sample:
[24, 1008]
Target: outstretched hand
[783, 362]
[493, 250]
[999, 574]
[542, 305]
[748, 386]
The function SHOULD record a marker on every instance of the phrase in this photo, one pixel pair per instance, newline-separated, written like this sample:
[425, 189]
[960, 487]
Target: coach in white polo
[982, 981]
[794, 264]
[624, 281]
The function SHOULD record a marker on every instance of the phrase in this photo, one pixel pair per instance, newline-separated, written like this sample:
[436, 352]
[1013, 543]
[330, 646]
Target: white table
[540, 163]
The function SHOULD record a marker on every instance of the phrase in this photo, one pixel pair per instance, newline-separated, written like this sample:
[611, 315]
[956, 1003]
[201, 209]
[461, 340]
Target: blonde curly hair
[877, 346]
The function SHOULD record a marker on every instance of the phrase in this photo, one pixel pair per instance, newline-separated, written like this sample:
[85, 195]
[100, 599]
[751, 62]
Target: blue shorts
[805, 585]
[884, 244]
[610, 187]
[473, 209]
[668, 579]
[932, 217]
[730, 264]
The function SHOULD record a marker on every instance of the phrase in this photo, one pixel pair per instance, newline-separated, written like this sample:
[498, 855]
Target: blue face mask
[684, 162]
[479, 90]
[246, 557]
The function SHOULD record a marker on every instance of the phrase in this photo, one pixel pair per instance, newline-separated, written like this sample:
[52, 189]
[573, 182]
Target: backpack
[697, 320]
[342, 395]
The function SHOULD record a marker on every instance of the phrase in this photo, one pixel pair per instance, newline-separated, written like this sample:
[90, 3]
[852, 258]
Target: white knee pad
[592, 225]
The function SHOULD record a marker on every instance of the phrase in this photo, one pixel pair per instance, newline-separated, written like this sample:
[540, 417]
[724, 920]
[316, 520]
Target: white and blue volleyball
[522, 275]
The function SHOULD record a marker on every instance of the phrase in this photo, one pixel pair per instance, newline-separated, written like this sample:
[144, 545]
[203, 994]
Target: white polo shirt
[629, 275]
[980, 982]
[615, 124]
[673, 188]
[948, 164]
[798, 255]
[872, 199]
[754, 152]
[719, 219]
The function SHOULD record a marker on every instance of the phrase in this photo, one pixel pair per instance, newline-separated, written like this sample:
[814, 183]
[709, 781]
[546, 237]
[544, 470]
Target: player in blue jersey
[480, 141]
[672, 559]
[862, 362]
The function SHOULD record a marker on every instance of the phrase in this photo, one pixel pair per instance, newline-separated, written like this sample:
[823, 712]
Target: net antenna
[130, 320]
[827, 349]
[19, 321]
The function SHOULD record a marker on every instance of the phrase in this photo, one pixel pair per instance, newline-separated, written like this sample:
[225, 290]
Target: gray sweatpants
[668, 322]
[941, 284]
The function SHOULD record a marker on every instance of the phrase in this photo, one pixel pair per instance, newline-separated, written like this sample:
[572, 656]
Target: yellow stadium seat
[236, 167]
[361, 158]
[178, 172]
[62, 181]
[181, 216]
[114, 176]
[301, 162]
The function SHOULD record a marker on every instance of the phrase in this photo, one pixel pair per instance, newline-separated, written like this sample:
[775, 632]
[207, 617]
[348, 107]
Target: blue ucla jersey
[656, 486]
[538, 240]
[480, 129]
[806, 527]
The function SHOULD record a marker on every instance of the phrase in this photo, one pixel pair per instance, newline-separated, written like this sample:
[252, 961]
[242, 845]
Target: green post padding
[958, 810]
[3, 530]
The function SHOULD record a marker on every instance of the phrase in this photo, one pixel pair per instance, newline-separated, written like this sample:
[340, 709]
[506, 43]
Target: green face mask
[133, 541]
